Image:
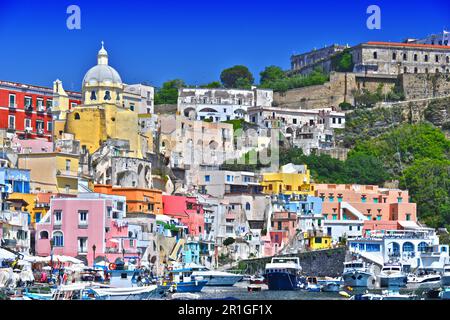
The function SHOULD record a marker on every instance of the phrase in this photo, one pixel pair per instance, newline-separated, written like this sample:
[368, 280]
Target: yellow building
[36, 205]
[55, 172]
[291, 179]
[315, 242]
[102, 114]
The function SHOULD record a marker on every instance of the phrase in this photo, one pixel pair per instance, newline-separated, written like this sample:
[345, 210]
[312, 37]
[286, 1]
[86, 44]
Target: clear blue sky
[154, 41]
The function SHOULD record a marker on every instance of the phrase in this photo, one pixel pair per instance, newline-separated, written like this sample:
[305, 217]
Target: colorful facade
[27, 110]
[55, 172]
[366, 202]
[187, 210]
[290, 180]
[138, 200]
[75, 225]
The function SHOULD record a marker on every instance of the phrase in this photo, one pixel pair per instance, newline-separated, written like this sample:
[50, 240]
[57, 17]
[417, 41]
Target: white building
[221, 104]
[139, 98]
[441, 39]
[415, 247]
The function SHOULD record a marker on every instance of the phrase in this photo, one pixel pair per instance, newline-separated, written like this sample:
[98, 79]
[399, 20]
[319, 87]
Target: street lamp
[52, 243]
[93, 250]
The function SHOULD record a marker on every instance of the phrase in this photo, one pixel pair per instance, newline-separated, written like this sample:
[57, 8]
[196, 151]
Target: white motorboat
[425, 280]
[445, 276]
[331, 284]
[385, 295]
[357, 274]
[391, 275]
[214, 277]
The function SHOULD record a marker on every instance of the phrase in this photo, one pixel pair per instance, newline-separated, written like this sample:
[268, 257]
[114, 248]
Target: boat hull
[282, 281]
[445, 280]
[192, 286]
[357, 279]
[331, 287]
[222, 281]
[393, 281]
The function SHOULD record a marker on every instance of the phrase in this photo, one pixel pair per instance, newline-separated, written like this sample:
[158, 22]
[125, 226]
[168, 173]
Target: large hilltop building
[218, 105]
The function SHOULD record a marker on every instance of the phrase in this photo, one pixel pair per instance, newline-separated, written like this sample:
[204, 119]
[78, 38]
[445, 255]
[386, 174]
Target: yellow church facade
[102, 114]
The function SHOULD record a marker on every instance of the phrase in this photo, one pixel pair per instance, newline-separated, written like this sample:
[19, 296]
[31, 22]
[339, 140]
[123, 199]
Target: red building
[187, 210]
[26, 109]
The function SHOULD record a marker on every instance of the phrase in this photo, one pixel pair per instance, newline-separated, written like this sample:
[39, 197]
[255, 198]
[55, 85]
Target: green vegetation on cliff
[282, 84]
[419, 157]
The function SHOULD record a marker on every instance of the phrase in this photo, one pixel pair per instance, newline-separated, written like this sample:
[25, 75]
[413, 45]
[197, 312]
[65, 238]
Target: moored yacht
[214, 277]
[284, 273]
[425, 279]
[445, 276]
[391, 275]
[357, 274]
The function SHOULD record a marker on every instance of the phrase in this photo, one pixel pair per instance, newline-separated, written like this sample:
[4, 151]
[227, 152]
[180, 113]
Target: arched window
[408, 247]
[415, 70]
[247, 206]
[43, 235]
[118, 96]
[422, 247]
[107, 95]
[93, 95]
[447, 59]
[77, 116]
[405, 70]
[58, 239]
[375, 55]
[426, 58]
[405, 57]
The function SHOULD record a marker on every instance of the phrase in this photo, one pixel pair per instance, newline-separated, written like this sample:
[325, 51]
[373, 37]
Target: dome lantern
[102, 56]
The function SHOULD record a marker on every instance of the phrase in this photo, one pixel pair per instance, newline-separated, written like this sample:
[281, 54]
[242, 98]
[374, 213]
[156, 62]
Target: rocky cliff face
[438, 113]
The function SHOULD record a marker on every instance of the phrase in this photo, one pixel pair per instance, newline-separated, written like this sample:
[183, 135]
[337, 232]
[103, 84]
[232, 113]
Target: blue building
[191, 252]
[301, 204]
[14, 180]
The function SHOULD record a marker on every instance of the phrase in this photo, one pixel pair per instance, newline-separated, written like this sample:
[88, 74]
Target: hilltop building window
[93, 95]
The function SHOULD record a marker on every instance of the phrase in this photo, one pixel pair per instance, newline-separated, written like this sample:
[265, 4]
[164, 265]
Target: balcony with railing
[67, 174]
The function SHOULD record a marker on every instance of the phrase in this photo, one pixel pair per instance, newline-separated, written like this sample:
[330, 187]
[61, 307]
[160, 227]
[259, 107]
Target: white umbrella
[6, 255]
[46, 268]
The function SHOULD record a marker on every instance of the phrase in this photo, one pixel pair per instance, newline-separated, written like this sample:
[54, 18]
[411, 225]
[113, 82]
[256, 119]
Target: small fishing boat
[312, 284]
[182, 280]
[253, 288]
[257, 279]
[331, 284]
[357, 274]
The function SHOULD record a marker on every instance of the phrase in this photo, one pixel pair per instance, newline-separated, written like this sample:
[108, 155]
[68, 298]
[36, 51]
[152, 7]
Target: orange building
[352, 202]
[138, 200]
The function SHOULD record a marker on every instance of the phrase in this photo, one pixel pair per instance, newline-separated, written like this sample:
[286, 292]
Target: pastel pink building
[187, 210]
[77, 224]
[351, 202]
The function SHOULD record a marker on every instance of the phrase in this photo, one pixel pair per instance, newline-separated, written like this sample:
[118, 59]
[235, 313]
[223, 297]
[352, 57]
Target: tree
[343, 62]
[228, 241]
[428, 181]
[365, 169]
[243, 83]
[212, 85]
[230, 76]
[168, 93]
[271, 73]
